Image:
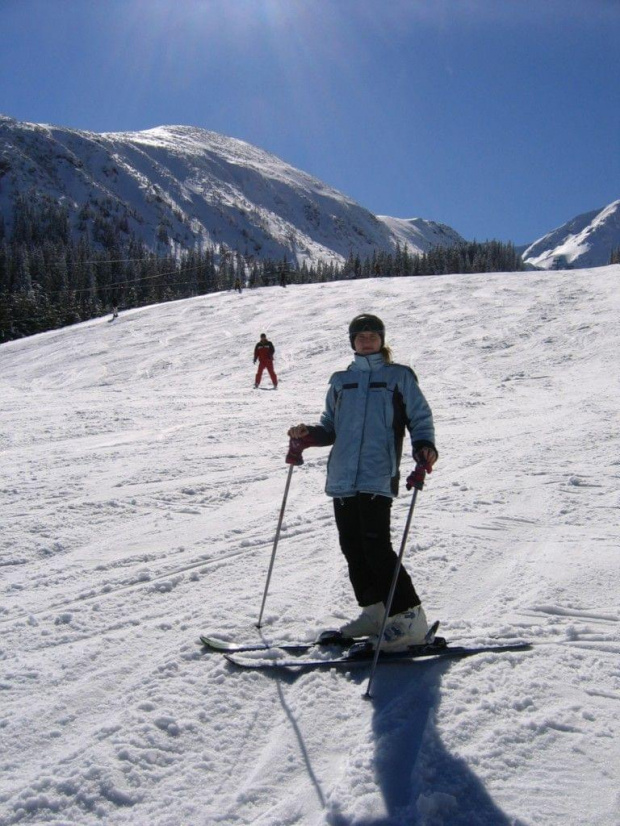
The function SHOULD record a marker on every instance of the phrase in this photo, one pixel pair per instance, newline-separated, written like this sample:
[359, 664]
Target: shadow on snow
[421, 782]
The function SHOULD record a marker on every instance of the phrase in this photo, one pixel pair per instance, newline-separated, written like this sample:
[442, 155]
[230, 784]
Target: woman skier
[367, 409]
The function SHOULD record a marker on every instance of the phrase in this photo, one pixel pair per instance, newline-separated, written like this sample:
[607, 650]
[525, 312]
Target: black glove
[425, 455]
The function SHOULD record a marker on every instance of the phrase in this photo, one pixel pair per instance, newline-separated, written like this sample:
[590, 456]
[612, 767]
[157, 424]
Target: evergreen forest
[49, 278]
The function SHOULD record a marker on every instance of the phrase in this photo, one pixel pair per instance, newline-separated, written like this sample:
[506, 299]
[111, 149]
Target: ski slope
[140, 486]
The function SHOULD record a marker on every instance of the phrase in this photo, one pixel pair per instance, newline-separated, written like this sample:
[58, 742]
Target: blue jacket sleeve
[324, 433]
[419, 419]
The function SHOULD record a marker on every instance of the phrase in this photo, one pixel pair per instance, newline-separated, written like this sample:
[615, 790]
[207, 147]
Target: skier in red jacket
[263, 353]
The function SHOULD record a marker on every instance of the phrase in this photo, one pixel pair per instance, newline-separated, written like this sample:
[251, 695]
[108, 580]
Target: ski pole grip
[416, 478]
[296, 448]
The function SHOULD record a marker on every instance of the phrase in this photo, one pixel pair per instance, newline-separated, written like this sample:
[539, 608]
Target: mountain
[419, 233]
[586, 241]
[181, 187]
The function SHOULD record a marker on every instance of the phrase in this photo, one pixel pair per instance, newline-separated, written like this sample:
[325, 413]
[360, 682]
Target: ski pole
[416, 481]
[293, 459]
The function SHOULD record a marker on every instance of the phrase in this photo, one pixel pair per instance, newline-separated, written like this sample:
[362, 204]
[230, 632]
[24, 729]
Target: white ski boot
[368, 622]
[404, 630]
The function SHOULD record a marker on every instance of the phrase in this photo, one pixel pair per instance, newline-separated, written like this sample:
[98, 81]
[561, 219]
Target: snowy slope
[420, 234]
[141, 483]
[195, 187]
[586, 241]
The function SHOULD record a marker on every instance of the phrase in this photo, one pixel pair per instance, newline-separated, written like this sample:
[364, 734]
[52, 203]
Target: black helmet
[366, 323]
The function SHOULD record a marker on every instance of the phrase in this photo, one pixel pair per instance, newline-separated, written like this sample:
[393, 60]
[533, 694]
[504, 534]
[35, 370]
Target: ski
[326, 638]
[362, 654]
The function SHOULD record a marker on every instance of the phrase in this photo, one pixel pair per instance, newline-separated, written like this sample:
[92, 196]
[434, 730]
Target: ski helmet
[366, 323]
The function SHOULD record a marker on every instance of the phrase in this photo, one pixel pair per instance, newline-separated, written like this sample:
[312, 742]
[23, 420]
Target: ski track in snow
[140, 489]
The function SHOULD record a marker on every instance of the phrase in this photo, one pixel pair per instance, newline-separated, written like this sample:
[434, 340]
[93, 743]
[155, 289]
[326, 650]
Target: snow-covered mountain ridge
[585, 241]
[182, 187]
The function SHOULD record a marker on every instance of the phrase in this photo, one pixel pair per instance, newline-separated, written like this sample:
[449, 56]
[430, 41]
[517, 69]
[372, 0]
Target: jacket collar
[367, 363]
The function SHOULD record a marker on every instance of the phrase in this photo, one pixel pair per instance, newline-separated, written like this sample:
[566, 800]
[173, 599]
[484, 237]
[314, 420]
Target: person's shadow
[421, 782]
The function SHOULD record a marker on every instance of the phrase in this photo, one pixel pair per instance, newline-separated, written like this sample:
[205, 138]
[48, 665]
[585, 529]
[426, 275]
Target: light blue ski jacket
[366, 411]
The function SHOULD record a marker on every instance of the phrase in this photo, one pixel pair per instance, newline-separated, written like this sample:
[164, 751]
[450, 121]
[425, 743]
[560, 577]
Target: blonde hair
[386, 352]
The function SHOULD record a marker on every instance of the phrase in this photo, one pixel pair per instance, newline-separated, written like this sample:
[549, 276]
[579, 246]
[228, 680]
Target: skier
[366, 411]
[263, 353]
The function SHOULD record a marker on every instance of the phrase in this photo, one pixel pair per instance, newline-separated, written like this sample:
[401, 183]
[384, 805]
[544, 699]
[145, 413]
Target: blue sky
[500, 118]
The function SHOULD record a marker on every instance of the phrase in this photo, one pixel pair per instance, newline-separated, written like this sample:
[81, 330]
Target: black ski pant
[363, 524]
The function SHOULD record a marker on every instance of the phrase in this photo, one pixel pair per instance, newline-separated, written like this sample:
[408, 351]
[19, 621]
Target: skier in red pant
[263, 353]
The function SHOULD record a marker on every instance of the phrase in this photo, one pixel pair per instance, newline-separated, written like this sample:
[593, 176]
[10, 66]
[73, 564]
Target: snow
[586, 241]
[204, 188]
[142, 478]
[421, 232]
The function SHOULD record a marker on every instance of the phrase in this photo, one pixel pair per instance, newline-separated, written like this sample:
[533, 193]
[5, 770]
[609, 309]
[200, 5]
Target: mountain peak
[184, 187]
[585, 241]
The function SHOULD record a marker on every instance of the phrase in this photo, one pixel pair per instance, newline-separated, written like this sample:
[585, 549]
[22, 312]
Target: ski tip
[215, 644]
[208, 642]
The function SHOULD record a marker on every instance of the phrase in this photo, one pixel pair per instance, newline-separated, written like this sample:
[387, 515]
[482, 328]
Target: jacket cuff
[320, 436]
[424, 443]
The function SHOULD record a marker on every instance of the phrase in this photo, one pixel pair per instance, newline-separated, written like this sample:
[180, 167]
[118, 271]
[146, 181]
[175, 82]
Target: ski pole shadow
[302, 747]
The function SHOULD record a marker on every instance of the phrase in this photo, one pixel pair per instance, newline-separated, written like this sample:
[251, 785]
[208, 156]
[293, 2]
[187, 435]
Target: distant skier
[237, 285]
[367, 409]
[263, 354]
[114, 312]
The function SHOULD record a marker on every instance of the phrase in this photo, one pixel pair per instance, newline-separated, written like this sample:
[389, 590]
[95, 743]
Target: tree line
[50, 279]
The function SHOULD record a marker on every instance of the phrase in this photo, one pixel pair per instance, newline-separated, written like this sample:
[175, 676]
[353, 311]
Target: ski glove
[296, 447]
[416, 477]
